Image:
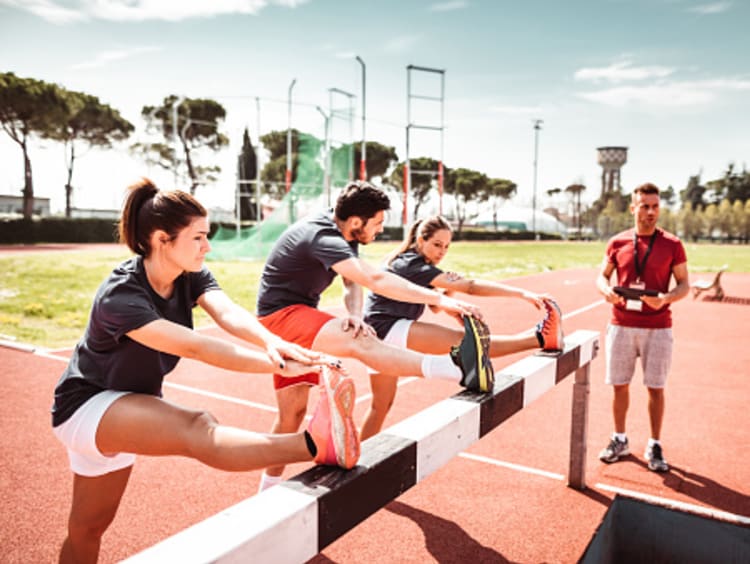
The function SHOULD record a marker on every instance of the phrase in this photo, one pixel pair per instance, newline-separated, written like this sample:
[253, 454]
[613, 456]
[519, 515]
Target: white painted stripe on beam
[585, 340]
[539, 373]
[684, 506]
[277, 525]
[441, 431]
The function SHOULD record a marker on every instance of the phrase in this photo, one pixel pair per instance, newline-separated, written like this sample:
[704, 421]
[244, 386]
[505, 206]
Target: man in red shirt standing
[645, 259]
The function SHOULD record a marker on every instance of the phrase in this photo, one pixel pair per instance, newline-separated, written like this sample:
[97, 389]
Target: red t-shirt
[666, 253]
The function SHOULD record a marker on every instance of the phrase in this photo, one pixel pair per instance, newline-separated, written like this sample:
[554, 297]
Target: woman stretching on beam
[108, 404]
[397, 322]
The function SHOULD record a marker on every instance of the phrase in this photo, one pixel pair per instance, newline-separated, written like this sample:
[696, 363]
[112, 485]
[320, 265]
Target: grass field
[45, 297]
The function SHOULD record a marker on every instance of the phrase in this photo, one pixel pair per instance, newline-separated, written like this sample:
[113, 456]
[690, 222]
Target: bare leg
[331, 339]
[292, 402]
[620, 404]
[500, 345]
[95, 502]
[383, 392]
[145, 424]
[656, 410]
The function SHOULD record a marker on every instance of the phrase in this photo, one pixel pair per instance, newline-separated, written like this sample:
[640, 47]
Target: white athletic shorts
[78, 434]
[625, 344]
[397, 336]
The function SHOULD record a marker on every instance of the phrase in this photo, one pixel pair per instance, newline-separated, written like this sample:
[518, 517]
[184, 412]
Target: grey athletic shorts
[625, 344]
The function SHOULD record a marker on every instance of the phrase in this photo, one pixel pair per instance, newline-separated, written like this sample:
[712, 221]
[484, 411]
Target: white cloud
[401, 43]
[667, 95]
[449, 6]
[48, 10]
[710, 9]
[622, 71]
[59, 12]
[105, 57]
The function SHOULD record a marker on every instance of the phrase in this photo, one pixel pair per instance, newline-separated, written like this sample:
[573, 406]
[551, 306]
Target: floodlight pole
[537, 126]
[288, 178]
[326, 158]
[258, 166]
[363, 157]
[175, 135]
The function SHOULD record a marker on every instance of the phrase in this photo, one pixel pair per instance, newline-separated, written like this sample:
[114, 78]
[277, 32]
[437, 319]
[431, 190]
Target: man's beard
[359, 236]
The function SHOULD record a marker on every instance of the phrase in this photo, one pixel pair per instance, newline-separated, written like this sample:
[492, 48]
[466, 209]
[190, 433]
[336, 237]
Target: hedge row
[62, 230]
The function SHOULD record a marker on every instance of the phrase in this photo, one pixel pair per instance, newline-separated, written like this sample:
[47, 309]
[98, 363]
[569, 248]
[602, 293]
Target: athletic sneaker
[549, 330]
[331, 427]
[656, 462]
[472, 356]
[615, 449]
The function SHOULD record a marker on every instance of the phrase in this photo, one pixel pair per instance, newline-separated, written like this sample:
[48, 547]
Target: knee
[92, 526]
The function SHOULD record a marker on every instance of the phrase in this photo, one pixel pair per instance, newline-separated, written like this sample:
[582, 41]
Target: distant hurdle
[317, 505]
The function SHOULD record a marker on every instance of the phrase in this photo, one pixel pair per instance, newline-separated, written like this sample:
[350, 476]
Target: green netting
[305, 196]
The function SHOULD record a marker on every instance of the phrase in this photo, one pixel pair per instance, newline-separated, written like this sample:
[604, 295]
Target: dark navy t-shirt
[106, 358]
[298, 268]
[381, 312]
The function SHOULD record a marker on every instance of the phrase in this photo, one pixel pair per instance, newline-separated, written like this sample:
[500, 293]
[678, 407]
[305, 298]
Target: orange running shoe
[549, 330]
[332, 427]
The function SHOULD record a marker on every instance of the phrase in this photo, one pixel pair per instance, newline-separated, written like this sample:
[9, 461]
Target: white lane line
[656, 500]
[518, 467]
[582, 309]
[214, 395]
[671, 503]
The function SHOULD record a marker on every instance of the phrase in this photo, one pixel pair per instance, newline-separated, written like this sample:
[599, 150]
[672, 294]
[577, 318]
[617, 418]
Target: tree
[690, 222]
[466, 185]
[247, 172]
[29, 107]
[693, 192]
[380, 158]
[89, 121]
[422, 182]
[575, 193]
[197, 128]
[499, 190]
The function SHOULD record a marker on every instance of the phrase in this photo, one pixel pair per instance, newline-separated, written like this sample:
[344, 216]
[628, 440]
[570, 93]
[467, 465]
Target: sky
[668, 79]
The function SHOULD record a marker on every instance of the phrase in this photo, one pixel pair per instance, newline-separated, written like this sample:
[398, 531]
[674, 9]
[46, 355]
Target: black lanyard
[640, 268]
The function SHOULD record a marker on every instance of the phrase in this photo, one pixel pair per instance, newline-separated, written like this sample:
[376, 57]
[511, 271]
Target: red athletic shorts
[298, 324]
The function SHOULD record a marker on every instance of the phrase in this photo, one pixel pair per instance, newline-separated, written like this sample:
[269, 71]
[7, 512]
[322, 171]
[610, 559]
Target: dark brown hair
[147, 209]
[424, 228]
[647, 188]
[361, 199]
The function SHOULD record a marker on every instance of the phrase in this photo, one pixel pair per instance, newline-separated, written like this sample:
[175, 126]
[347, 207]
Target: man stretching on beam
[304, 262]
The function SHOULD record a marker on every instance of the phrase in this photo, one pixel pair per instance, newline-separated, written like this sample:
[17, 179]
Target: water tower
[611, 160]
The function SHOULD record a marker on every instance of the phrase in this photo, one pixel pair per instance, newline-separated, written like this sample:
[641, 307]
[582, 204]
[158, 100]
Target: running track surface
[504, 500]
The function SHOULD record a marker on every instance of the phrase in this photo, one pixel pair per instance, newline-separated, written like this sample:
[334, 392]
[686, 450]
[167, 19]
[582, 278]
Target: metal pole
[537, 127]
[175, 134]
[326, 167]
[363, 157]
[258, 166]
[288, 178]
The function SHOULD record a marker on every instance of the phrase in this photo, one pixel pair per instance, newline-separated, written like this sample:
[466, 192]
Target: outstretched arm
[453, 282]
[397, 288]
[172, 338]
[237, 321]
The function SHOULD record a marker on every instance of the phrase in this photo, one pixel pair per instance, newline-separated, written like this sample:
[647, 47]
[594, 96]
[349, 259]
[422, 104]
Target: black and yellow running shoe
[472, 356]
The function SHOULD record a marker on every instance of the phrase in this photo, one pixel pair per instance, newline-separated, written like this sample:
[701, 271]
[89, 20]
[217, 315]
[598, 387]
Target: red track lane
[468, 510]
